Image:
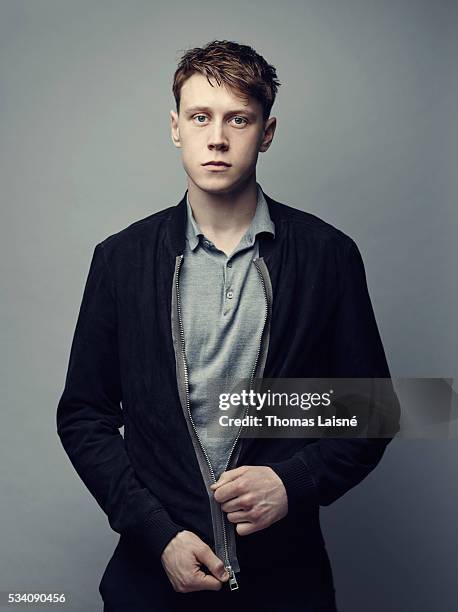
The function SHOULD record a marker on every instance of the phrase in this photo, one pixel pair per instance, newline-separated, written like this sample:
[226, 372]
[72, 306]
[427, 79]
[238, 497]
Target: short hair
[237, 66]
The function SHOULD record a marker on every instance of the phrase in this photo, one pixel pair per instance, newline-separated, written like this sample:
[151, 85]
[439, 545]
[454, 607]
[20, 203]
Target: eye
[196, 117]
[244, 121]
[239, 120]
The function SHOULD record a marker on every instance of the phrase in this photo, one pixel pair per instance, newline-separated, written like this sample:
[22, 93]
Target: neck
[224, 214]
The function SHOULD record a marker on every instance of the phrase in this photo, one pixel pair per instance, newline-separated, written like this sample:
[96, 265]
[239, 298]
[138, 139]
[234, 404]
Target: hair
[237, 66]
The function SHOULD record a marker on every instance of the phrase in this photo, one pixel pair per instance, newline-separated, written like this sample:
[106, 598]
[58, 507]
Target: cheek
[249, 148]
[248, 156]
[189, 150]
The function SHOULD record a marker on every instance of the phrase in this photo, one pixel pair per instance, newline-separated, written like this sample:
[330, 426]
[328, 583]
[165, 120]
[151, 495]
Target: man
[227, 284]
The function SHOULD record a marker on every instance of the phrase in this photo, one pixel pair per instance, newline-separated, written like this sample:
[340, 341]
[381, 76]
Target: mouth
[217, 164]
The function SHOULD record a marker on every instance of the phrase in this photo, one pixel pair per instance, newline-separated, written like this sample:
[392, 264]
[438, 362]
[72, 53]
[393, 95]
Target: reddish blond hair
[237, 66]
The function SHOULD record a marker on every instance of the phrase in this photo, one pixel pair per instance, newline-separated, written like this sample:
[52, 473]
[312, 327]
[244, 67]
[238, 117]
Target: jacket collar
[268, 244]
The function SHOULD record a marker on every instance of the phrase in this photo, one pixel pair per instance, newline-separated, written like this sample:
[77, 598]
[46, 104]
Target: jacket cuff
[158, 531]
[297, 479]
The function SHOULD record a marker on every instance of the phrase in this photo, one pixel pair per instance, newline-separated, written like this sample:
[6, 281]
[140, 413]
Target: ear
[269, 131]
[175, 132]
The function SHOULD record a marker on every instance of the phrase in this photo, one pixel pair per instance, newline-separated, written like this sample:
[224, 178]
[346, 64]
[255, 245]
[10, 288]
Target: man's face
[215, 124]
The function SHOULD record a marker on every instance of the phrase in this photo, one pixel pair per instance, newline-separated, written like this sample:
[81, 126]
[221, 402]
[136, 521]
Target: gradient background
[366, 139]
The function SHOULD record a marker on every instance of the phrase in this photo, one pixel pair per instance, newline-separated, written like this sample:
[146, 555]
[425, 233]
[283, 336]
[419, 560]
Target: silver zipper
[233, 584]
[234, 580]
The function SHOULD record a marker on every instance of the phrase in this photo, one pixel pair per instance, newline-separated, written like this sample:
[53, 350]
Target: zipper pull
[233, 584]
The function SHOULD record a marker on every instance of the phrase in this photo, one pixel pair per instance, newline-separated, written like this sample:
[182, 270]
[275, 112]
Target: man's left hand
[253, 496]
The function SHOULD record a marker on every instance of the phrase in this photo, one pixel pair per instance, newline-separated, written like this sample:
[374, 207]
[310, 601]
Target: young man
[227, 284]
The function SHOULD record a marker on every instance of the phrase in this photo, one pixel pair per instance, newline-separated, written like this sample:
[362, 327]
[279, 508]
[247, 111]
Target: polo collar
[177, 221]
[261, 222]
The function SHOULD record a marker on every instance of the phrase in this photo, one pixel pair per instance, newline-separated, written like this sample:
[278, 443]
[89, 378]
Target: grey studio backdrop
[366, 139]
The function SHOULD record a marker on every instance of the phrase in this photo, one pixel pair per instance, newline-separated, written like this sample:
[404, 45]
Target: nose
[217, 139]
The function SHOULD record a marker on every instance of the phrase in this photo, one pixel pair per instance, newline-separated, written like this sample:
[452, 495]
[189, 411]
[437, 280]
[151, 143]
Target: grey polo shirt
[223, 309]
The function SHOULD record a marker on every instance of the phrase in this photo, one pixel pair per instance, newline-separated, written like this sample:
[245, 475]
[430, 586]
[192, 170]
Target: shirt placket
[227, 264]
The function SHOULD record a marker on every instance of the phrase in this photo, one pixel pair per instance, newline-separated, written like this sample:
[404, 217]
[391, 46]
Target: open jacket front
[127, 368]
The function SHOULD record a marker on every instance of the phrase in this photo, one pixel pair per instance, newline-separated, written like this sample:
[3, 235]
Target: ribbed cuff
[298, 482]
[158, 531]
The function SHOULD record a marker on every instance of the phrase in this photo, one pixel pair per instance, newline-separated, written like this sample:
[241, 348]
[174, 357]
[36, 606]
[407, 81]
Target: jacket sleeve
[325, 469]
[89, 415]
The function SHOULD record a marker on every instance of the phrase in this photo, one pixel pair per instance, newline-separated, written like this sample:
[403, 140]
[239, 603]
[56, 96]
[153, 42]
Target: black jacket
[127, 369]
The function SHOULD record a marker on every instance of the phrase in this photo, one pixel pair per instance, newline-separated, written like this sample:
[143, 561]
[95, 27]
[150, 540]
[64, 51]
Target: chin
[216, 184]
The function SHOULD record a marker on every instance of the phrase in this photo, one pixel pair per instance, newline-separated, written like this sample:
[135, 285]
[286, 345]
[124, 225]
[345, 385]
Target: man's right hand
[183, 558]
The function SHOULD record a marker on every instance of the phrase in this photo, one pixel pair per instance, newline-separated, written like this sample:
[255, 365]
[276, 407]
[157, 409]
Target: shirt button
[229, 264]
[230, 295]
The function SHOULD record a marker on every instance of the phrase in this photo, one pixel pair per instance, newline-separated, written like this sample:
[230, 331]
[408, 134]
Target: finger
[241, 503]
[206, 556]
[239, 517]
[210, 583]
[247, 528]
[229, 476]
[206, 582]
[226, 492]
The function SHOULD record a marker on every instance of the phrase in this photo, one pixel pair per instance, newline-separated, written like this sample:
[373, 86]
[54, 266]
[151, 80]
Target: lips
[216, 163]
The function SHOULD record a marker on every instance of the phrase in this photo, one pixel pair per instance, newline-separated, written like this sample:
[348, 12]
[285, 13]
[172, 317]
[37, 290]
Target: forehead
[197, 91]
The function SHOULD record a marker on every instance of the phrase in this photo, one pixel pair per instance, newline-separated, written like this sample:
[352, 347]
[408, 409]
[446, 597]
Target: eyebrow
[207, 109]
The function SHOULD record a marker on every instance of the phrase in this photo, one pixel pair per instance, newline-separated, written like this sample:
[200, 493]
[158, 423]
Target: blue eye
[241, 123]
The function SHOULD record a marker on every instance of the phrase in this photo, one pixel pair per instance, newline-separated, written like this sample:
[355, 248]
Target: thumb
[213, 563]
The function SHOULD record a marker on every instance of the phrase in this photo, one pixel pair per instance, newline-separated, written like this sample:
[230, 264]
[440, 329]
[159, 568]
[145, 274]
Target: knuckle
[249, 499]
[256, 514]
[242, 483]
[239, 487]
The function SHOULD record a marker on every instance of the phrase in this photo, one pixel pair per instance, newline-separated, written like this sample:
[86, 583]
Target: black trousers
[263, 592]
[129, 584]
